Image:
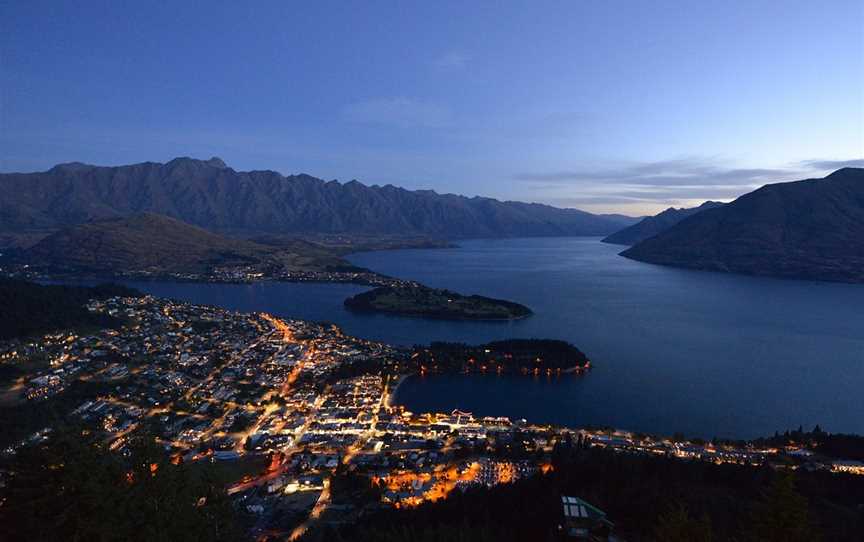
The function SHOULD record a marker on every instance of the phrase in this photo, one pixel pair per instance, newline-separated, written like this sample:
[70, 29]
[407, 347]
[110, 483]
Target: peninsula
[414, 299]
[526, 356]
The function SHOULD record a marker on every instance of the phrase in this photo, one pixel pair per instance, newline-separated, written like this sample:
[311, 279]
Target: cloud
[399, 111]
[452, 61]
[652, 186]
[685, 172]
[657, 184]
[833, 164]
[580, 201]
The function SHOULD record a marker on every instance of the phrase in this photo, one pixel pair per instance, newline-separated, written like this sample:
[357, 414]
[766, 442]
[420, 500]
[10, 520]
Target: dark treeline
[835, 445]
[72, 488]
[509, 355]
[28, 309]
[832, 445]
[650, 499]
[20, 420]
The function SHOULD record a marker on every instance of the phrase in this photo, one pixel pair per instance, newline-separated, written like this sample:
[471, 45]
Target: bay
[701, 353]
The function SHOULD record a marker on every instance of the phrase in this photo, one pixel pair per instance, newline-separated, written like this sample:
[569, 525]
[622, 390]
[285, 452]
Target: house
[583, 521]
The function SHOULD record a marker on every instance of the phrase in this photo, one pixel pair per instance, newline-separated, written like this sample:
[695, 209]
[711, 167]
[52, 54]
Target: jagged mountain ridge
[209, 194]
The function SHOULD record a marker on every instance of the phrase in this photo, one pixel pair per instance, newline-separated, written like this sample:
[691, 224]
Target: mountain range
[157, 216]
[652, 225]
[810, 229]
[211, 195]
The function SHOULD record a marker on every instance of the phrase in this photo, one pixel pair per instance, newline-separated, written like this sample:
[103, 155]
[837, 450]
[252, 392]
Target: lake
[701, 353]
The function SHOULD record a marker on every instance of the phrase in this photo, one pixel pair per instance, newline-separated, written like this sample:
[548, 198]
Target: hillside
[811, 229]
[159, 244]
[652, 225]
[211, 195]
[31, 309]
[342, 244]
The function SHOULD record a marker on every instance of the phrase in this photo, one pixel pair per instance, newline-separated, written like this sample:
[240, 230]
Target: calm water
[674, 350]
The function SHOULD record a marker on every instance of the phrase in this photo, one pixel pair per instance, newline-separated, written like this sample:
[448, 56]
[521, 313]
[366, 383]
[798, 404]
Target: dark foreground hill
[159, 244]
[652, 225]
[811, 229]
[213, 196]
[33, 309]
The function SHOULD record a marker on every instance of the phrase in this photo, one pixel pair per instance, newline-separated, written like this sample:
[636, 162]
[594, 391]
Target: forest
[30, 309]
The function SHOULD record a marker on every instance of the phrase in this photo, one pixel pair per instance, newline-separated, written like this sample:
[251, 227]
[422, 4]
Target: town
[226, 274]
[291, 408]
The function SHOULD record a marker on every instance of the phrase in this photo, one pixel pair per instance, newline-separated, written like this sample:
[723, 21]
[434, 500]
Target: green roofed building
[583, 521]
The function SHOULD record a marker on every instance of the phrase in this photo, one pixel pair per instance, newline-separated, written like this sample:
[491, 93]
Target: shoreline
[348, 303]
[391, 393]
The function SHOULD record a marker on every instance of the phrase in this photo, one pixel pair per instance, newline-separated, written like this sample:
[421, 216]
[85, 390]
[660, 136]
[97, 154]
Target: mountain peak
[653, 225]
[216, 162]
[811, 229]
[71, 166]
[847, 172]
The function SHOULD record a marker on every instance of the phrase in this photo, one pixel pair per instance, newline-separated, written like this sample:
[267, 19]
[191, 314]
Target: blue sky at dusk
[607, 106]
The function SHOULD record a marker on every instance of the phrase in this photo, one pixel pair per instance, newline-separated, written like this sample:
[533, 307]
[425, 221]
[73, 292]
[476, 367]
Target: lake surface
[701, 353]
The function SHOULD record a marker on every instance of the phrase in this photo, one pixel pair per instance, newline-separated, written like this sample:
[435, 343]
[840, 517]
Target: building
[583, 521]
[848, 466]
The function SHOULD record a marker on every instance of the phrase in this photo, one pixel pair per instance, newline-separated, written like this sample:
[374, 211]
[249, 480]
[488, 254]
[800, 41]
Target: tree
[73, 488]
[676, 525]
[782, 514]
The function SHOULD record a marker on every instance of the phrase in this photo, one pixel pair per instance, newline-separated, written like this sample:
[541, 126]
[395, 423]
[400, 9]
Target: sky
[607, 106]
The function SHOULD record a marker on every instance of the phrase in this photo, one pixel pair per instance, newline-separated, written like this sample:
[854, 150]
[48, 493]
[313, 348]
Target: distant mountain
[211, 195]
[652, 225]
[812, 229]
[151, 242]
